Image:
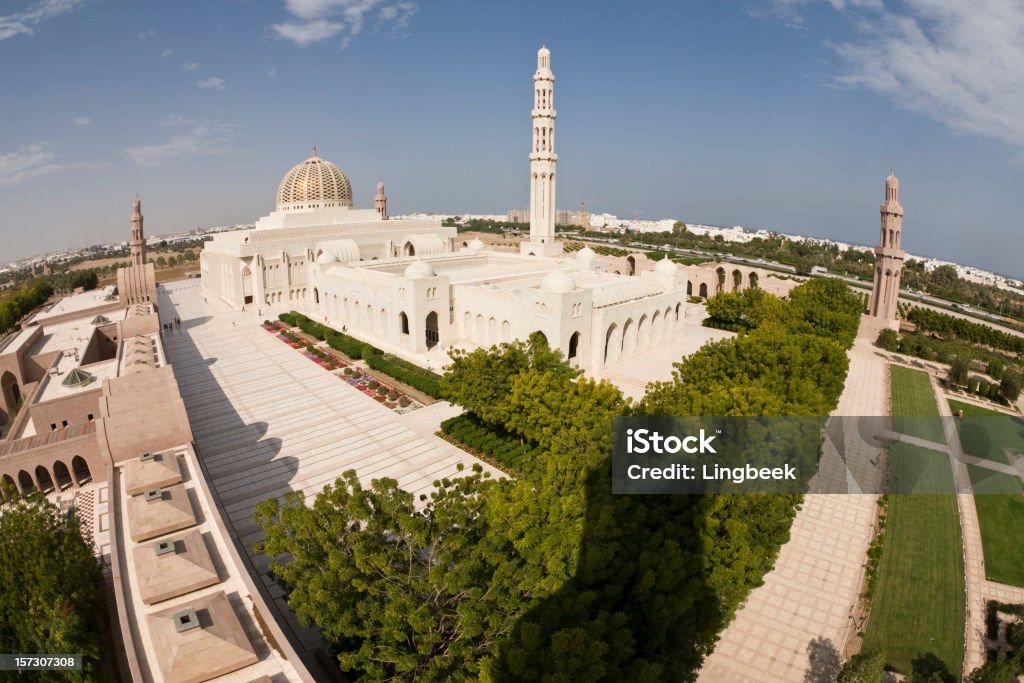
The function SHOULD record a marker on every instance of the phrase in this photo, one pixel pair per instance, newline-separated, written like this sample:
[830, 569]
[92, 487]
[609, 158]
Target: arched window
[316, 295]
[702, 292]
[25, 482]
[62, 474]
[403, 322]
[432, 334]
[574, 344]
[80, 468]
[44, 479]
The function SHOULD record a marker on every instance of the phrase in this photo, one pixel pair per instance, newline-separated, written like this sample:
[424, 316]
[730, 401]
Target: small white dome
[477, 245]
[558, 281]
[419, 269]
[586, 254]
[666, 266]
[326, 257]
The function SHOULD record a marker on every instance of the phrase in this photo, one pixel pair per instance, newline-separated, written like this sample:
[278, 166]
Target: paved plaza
[267, 420]
[803, 614]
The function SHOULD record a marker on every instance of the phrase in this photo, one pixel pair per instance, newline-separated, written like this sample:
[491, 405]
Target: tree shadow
[639, 606]
[824, 664]
[928, 667]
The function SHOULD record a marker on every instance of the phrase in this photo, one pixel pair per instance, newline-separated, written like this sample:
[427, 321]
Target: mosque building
[409, 285]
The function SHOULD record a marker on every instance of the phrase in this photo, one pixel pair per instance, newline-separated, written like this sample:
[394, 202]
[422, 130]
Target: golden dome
[313, 184]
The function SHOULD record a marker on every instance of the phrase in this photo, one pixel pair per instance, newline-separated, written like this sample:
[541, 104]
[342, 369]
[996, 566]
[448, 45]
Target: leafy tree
[161, 262]
[404, 594]
[679, 228]
[863, 667]
[51, 588]
[1010, 387]
[959, 370]
[481, 381]
[1004, 671]
[86, 279]
[888, 340]
[172, 262]
[995, 368]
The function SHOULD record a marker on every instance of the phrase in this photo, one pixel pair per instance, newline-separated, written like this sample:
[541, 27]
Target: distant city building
[889, 254]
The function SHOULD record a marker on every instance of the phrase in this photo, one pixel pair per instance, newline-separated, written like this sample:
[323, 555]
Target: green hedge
[401, 370]
[413, 375]
[501, 447]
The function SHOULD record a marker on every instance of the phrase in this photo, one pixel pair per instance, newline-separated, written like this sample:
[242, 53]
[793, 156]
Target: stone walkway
[267, 420]
[803, 613]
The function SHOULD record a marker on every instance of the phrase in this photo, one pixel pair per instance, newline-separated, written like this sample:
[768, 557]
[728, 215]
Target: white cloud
[317, 20]
[190, 66]
[22, 22]
[33, 161]
[147, 33]
[959, 63]
[166, 53]
[176, 120]
[212, 82]
[82, 120]
[204, 138]
[272, 72]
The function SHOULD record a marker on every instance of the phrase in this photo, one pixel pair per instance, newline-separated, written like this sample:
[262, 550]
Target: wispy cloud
[33, 161]
[959, 63]
[23, 22]
[82, 120]
[272, 72]
[316, 20]
[204, 138]
[164, 54]
[146, 33]
[190, 66]
[212, 82]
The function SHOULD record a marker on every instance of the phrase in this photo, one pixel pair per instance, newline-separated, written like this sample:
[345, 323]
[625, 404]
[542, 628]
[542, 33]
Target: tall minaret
[138, 242]
[888, 254]
[542, 161]
[380, 202]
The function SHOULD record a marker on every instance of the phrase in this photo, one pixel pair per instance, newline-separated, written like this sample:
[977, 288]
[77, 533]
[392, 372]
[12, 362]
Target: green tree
[863, 667]
[888, 340]
[161, 262]
[404, 594]
[172, 262]
[51, 587]
[1010, 387]
[1004, 671]
[995, 368]
[86, 279]
[959, 371]
[679, 229]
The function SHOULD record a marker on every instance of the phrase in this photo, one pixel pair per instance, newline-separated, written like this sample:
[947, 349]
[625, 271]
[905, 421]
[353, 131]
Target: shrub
[993, 391]
[888, 340]
[408, 373]
[373, 384]
[972, 384]
[382, 390]
[392, 395]
[995, 368]
[1010, 387]
[500, 446]
[983, 387]
[348, 370]
[403, 402]
[367, 351]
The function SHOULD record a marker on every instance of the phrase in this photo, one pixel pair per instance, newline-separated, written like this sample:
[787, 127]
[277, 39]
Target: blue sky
[782, 114]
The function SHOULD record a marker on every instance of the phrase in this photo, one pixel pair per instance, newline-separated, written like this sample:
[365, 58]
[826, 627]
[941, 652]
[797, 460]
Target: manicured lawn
[918, 603]
[1000, 504]
[914, 409]
[918, 470]
[986, 433]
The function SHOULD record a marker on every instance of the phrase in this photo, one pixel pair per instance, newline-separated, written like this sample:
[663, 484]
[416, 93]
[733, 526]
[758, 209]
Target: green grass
[918, 470]
[987, 434]
[1001, 518]
[914, 409]
[918, 603]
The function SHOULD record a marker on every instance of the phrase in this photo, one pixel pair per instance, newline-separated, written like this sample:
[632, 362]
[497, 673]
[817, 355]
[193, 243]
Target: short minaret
[137, 243]
[888, 254]
[380, 202]
[543, 161]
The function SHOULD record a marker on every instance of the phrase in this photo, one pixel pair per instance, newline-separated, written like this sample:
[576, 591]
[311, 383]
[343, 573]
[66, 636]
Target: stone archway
[574, 345]
[403, 322]
[720, 284]
[11, 393]
[737, 280]
[432, 334]
[628, 338]
[80, 469]
[25, 483]
[45, 480]
[643, 332]
[702, 292]
[62, 475]
[689, 288]
[632, 264]
[408, 249]
[753, 280]
[612, 343]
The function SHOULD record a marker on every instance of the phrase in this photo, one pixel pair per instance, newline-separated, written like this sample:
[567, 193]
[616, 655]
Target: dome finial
[314, 150]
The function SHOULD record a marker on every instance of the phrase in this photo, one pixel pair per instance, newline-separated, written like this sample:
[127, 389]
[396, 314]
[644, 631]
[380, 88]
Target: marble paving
[266, 420]
[804, 610]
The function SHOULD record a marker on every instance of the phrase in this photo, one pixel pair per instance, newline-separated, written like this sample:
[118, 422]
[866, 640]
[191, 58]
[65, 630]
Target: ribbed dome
[419, 269]
[314, 183]
[666, 266]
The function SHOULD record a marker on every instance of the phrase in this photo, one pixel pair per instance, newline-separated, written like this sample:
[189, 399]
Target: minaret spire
[889, 253]
[137, 243]
[543, 161]
[380, 201]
